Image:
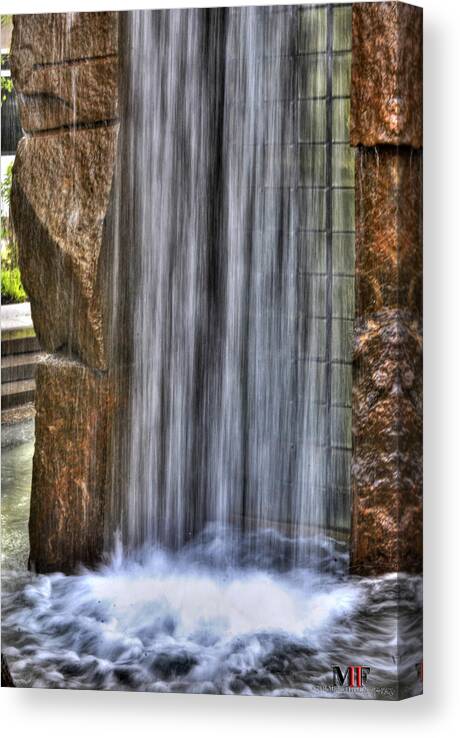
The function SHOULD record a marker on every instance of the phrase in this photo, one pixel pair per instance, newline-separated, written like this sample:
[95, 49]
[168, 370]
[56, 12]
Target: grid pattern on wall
[335, 49]
[306, 73]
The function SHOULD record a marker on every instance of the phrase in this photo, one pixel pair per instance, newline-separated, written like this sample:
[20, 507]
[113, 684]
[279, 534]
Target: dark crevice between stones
[72, 62]
[74, 127]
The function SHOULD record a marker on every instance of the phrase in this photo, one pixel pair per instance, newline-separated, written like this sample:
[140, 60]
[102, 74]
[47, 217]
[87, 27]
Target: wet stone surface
[387, 80]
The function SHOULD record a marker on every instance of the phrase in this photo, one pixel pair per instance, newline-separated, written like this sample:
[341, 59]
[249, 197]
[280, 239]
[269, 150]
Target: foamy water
[189, 622]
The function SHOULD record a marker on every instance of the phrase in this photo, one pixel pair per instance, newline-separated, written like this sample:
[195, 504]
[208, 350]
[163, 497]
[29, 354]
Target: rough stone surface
[387, 467]
[56, 38]
[387, 79]
[60, 230]
[70, 94]
[387, 431]
[386, 125]
[73, 411]
[388, 229]
[64, 68]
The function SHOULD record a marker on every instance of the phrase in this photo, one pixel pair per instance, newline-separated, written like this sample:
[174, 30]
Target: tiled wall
[324, 107]
[305, 75]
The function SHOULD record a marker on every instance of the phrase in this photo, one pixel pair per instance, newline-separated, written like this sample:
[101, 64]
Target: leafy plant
[7, 87]
[8, 246]
[6, 183]
[6, 82]
[12, 287]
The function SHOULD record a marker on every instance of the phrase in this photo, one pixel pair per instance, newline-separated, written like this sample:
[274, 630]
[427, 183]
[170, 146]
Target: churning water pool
[194, 621]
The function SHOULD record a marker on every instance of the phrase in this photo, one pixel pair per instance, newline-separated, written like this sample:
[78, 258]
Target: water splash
[193, 622]
[201, 619]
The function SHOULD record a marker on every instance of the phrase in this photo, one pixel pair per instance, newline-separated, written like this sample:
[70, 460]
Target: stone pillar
[72, 427]
[64, 69]
[386, 129]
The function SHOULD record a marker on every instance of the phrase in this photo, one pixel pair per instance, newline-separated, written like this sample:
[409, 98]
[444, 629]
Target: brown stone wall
[388, 229]
[387, 469]
[387, 472]
[64, 69]
[60, 229]
[72, 426]
[386, 74]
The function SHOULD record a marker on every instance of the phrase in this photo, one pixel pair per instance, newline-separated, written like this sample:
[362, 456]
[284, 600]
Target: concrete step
[23, 341]
[17, 393]
[19, 366]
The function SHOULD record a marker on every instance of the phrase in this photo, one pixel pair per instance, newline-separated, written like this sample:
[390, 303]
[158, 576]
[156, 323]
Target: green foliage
[6, 231]
[6, 82]
[5, 185]
[12, 287]
[7, 87]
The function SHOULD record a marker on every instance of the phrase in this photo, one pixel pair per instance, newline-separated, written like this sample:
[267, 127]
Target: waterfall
[183, 200]
[226, 230]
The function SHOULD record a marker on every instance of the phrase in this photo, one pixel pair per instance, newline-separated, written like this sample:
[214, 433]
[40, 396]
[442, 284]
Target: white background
[86, 714]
